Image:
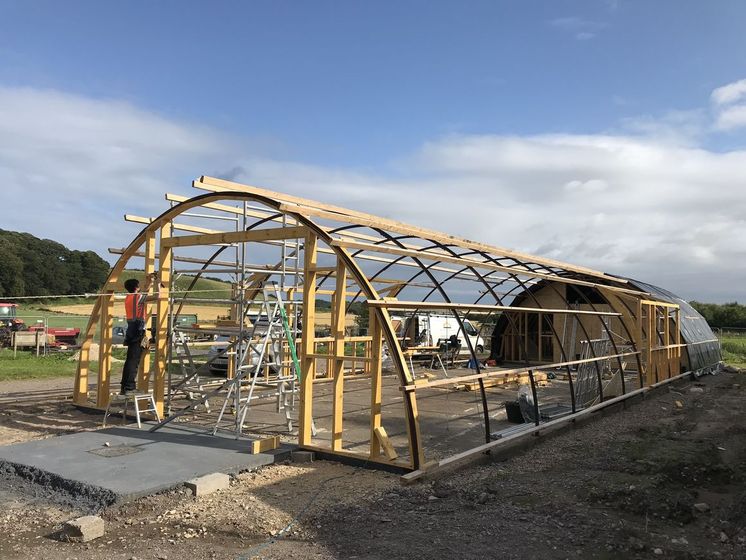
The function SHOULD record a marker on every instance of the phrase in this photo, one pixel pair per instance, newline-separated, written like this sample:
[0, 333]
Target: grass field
[27, 366]
[734, 350]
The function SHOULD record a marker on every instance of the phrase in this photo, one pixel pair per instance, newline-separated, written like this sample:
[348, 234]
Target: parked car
[218, 356]
[117, 335]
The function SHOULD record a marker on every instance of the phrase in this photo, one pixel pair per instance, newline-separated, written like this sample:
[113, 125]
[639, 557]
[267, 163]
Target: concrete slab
[138, 463]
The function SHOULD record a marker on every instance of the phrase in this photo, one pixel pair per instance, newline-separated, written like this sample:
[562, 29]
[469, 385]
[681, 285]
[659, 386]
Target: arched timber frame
[436, 261]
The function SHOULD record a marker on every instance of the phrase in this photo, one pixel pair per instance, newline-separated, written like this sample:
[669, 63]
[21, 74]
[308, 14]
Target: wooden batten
[143, 378]
[338, 331]
[162, 312]
[308, 364]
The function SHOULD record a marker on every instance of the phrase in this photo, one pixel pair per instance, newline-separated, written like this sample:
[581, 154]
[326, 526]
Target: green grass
[734, 350]
[27, 366]
[30, 313]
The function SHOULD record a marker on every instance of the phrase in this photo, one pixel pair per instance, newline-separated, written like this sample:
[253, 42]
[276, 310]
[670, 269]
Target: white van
[432, 329]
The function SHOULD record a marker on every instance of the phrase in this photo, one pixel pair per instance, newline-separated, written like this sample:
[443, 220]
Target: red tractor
[9, 323]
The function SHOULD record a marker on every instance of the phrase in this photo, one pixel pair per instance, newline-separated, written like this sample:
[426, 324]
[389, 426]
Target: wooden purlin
[193, 260]
[313, 208]
[271, 234]
[389, 304]
[266, 215]
[345, 243]
[261, 214]
[180, 227]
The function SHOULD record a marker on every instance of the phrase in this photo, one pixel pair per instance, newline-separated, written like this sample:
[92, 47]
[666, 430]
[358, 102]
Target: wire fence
[728, 332]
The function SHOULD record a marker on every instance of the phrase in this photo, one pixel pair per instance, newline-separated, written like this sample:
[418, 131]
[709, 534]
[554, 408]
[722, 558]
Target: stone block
[83, 529]
[208, 484]
[302, 456]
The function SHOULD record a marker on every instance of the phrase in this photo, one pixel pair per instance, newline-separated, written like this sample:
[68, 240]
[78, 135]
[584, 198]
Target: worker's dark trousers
[131, 365]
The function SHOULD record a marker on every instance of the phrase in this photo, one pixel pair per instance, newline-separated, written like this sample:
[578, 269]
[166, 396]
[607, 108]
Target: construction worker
[134, 338]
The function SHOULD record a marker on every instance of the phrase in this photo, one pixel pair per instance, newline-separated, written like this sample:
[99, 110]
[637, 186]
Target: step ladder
[251, 348]
[136, 397]
[265, 350]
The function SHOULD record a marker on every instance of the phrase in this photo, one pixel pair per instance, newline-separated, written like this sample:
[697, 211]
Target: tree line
[726, 315]
[30, 266]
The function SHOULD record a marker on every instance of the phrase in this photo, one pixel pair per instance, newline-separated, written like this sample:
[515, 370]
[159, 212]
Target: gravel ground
[662, 479]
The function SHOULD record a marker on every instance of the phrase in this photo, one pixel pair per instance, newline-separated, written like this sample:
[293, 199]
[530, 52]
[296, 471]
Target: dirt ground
[662, 479]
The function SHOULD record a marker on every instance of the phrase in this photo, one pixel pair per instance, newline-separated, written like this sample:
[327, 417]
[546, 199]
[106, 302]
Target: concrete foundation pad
[131, 463]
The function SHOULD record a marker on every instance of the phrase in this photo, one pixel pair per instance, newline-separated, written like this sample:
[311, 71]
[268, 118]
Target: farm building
[574, 339]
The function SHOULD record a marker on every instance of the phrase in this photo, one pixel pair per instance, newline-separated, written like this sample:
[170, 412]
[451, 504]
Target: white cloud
[667, 212]
[673, 127]
[731, 118]
[729, 103]
[729, 93]
[70, 166]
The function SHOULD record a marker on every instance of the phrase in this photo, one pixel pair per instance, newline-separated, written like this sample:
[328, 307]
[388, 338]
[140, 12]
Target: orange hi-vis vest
[134, 305]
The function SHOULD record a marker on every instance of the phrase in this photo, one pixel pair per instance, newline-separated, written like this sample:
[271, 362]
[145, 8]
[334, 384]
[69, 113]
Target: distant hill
[30, 266]
[209, 288]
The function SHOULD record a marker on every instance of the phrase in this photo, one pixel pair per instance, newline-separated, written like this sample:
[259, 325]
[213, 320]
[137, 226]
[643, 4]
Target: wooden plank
[660, 303]
[237, 236]
[333, 359]
[104, 349]
[383, 439]
[178, 258]
[307, 206]
[143, 378]
[396, 304]
[264, 444]
[363, 458]
[235, 210]
[498, 373]
[539, 377]
[338, 331]
[162, 312]
[80, 393]
[308, 366]
[376, 384]
[174, 226]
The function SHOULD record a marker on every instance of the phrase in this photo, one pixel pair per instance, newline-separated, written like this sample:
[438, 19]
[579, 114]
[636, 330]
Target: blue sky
[511, 106]
[363, 82]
